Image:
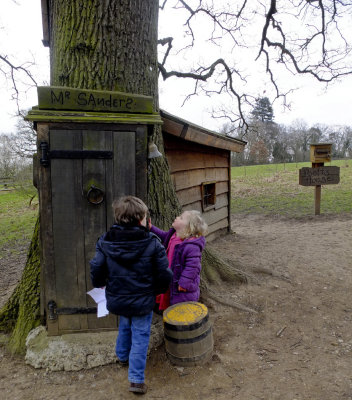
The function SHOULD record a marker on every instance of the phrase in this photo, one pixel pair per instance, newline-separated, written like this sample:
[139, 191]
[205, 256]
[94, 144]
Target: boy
[131, 262]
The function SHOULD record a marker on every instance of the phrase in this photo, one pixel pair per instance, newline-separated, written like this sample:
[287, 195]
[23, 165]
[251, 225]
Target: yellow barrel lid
[185, 313]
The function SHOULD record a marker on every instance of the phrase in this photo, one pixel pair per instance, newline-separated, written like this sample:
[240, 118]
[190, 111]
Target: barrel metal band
[191, 340]
[182, 328]
[186, 360]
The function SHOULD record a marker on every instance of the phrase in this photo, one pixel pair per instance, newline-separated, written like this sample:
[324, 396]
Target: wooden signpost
[319, 175]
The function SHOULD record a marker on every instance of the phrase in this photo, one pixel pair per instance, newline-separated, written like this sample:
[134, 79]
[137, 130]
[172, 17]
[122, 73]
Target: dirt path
[297, 346]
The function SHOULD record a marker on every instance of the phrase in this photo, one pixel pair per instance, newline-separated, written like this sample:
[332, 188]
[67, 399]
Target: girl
[184, 244]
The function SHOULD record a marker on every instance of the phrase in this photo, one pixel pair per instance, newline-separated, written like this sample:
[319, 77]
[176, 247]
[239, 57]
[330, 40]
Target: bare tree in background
[280, 37]
[23, 141]
[19, 75]
[220, 40]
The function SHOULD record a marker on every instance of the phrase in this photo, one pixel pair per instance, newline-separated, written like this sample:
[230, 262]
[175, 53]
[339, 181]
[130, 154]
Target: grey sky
[21, 35]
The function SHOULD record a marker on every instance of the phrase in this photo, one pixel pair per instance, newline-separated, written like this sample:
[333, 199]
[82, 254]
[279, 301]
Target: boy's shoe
[138, 388]
[122, 363]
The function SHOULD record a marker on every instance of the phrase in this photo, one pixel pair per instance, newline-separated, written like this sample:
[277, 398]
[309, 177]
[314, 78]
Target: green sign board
[65, 98]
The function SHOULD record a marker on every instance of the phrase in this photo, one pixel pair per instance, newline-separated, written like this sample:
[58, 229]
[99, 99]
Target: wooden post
[317, 198]
[317, 194]
[319, 175]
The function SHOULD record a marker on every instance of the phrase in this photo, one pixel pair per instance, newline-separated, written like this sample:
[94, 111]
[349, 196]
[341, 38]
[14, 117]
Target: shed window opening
[209, 196]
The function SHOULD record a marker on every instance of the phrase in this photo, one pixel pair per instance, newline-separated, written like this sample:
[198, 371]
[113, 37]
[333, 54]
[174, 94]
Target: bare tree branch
[268, 19]
[163, 42]
[13, 72]
[163, 5]
[204, 73]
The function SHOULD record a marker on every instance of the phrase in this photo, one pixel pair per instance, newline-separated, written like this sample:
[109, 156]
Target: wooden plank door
[77, 224]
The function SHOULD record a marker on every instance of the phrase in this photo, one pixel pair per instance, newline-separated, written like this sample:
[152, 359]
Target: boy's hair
[129, 210]
[196, 225]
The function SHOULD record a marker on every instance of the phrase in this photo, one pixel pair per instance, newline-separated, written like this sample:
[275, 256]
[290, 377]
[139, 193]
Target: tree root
[263, 270]
[234, 304]
[216, 269]
[267, 271]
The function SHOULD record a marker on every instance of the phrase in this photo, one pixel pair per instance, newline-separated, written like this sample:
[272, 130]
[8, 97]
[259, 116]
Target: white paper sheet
[102, 310]
[98, 295]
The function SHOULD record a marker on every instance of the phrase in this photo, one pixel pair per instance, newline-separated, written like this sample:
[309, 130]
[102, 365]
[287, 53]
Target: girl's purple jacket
[185, 265]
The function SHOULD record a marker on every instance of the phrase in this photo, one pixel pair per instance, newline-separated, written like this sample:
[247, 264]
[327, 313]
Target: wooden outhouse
[93, 148]
[200, 166]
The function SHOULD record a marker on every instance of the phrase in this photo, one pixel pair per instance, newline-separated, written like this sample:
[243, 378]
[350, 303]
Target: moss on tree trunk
[21, 312]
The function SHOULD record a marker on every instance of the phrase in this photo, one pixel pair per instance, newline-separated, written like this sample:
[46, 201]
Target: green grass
[260, 189]
[17, 218]
[274, 190]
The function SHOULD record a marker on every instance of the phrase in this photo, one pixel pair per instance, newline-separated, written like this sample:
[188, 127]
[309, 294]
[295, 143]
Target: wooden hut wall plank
[172, 143]
[212, 216]
[222, 187]
[48, 289]
[221, 201]
[216, 234]
[197, 205]
[189, 195]
[229, 194]
[218, 226]
[64, 218]
[193, 194]
[186, 179]
[180, 161]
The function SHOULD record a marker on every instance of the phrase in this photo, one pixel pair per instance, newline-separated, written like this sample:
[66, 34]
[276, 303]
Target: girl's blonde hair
[196, 225]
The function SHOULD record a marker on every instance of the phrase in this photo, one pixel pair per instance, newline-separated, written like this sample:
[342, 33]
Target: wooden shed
[200, 165]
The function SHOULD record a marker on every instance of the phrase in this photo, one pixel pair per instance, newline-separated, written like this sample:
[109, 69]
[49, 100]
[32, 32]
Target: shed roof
[188, 131]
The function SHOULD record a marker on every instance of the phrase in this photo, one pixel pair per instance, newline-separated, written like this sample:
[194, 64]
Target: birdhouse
[320, 152]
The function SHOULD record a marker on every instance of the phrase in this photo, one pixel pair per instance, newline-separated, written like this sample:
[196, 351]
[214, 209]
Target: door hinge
[47, 155]
[53, 311]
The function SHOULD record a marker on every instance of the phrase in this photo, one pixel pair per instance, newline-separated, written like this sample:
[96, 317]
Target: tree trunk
[104, 45]
[21, 312]
[112, 45]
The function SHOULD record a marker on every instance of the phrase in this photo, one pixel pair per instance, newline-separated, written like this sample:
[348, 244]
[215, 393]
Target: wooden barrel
[188, 334]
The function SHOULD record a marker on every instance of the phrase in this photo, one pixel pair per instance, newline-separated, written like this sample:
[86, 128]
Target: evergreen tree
[263, 110]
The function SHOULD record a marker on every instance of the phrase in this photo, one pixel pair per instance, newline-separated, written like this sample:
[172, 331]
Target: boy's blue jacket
[132, 263]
